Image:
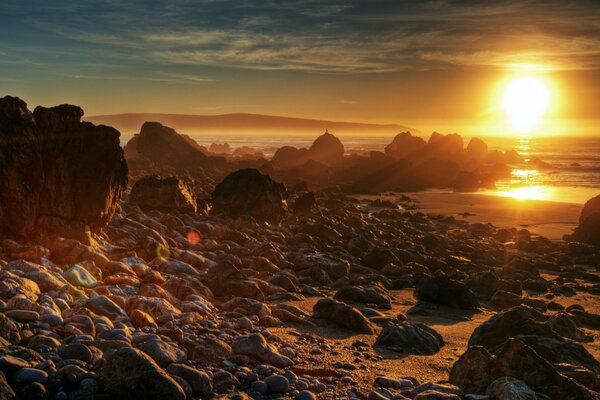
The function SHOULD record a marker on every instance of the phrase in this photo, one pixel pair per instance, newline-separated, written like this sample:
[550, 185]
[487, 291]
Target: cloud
[331, 36]
[348, 102]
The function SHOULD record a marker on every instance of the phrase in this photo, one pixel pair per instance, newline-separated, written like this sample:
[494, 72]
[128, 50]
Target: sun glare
[525, 100]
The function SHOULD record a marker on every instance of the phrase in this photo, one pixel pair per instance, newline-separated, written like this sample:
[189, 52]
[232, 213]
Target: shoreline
[551, 219]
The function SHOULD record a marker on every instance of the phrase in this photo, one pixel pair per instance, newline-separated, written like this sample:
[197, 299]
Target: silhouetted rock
[165, 147]
[326, 149]
[169, 194]
[58, 175]
[403, 145]
[220, 148]
[588, 230]
[248, 192]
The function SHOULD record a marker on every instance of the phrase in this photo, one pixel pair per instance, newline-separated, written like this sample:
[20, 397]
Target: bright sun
[525, 100]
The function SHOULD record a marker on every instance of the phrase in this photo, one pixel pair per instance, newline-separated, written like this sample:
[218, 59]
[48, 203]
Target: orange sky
[433, 65]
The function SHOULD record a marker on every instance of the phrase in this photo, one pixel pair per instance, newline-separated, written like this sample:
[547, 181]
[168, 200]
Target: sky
[433, 65]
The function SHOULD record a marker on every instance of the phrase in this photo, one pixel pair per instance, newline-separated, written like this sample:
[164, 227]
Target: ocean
[573, 178]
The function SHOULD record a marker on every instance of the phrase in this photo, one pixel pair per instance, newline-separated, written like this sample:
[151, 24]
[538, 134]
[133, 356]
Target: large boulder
[446, 291]
[248, 192]
[58, 176]
[168, 194]
[165, 147]
[130, 374]
[326, 149]
[403, 145]
[588, 230]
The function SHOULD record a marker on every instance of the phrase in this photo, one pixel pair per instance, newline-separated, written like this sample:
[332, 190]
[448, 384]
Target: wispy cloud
[331, 36]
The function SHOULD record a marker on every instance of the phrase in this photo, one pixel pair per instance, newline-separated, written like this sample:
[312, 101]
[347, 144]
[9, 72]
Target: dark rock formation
[326, 149]
[403, 145]
[443, 290]
[588, 230]
[410, 339]
[248, 192]
[58, 175]
[305, 204]
[371, 295]
[130, 374]
[164, 146]
[169, 194]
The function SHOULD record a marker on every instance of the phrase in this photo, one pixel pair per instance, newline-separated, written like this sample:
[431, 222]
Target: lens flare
[163, 252]
[193, 238]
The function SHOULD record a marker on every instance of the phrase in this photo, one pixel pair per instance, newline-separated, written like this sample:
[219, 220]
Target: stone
[6, 392]
[410, 339]
[79, 276]
[443, 290]
[507, 388]
[248, 192]
[306, 395]
[22, 315]
[70, 184]
[277, 384]
[76, 351]
[255, 345]
[474, 371]
[130, 374]
[403, 145]
[30, 375]
[169, 194]
[371, 294]
[588, 230]
[343, 315]
[199, 381]
[305, 204]
[102, 305]
[164, 147]
[163, 353]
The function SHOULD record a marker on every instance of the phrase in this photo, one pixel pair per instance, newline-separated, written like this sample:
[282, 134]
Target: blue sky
[278, 57]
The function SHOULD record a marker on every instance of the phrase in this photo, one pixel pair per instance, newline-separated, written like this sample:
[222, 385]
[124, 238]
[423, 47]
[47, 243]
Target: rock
[305, 204]
[200, 382]
[248, 192]
[466, 182]
[474, 371]
[130, 374]
[564, 325]
[410, 339]
[588, 230]
[277, 384]
[443, 290]
[22, 315]
[403, 145]
[343, 315]
[102, 305]
[29, 375]
[306, 395]
[69, 184]
[162, 352]
[79, 276]
[508, 323]
[168, 194]
[256, 346]
[375, 294]
[76, 351]
[164, 147]
[326, 149]
[507, 388]
[435, 395]
[6, 392]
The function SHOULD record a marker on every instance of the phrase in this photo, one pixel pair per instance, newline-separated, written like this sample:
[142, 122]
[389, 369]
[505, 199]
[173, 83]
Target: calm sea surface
[574, 176]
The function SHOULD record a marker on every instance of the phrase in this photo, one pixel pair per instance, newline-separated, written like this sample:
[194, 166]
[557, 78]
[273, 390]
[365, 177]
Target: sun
[525, 100]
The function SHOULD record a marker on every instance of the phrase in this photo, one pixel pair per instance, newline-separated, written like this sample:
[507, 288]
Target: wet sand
[545, 218]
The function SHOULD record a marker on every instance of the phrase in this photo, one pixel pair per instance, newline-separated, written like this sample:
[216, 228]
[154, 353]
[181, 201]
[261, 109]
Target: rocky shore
[218, 281]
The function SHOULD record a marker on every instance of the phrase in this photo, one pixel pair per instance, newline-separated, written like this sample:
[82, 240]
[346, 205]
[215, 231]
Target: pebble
[30, 375]
[277, 384]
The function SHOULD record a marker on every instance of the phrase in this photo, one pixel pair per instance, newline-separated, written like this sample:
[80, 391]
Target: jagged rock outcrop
[59, 176]
[326, 149]
[403, 145]
[248, 192]
[168, 194]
